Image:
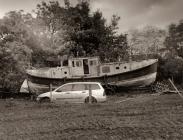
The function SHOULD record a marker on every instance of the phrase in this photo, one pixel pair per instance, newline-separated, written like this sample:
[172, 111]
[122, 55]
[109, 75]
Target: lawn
[136, 117]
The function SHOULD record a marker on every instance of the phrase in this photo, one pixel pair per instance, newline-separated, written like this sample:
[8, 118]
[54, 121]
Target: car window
[79, 87]
[95, 86]
[64, 88]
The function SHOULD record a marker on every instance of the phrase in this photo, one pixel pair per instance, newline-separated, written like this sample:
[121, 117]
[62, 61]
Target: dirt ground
[136, 117]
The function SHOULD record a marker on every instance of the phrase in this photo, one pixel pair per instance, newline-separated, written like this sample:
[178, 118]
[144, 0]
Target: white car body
[76, 92]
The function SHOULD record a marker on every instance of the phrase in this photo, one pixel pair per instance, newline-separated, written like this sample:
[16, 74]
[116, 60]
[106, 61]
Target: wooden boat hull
[140, 77]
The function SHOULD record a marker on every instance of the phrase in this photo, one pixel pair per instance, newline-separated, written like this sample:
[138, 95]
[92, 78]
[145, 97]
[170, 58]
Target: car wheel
[93, 100]
[45, 100]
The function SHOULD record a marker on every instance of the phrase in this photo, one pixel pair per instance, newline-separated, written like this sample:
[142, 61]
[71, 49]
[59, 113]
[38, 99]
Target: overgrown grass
[142, 117]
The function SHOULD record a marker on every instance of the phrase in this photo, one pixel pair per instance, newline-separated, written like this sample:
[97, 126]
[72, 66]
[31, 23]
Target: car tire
[45, 100]
[92, 98]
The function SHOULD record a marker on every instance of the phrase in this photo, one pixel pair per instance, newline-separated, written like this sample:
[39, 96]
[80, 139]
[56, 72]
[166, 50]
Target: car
[75, 92]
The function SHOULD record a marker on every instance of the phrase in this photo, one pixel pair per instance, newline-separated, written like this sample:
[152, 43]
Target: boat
[122, 74]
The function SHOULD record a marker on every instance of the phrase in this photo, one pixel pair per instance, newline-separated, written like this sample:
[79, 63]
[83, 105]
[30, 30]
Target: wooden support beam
[175, 88]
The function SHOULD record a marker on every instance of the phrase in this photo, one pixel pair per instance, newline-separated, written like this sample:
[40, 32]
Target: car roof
[83, 83]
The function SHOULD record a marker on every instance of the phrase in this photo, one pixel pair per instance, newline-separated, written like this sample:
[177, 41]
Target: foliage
[14, 54]
[171, 64]
[152, 40]
[171, 67]
[174, 40]
[57, 30]
[149, 40]
[82, 33]
[77, 31]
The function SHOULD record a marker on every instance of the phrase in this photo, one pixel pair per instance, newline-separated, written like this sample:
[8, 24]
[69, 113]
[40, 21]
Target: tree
[113, 44]
[82, 33]
[14, 54]
[49, 26]
[146, 41]
[174, 40]
[171, 67]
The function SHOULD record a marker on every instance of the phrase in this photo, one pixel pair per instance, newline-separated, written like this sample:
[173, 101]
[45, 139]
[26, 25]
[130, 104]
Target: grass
[142, 117]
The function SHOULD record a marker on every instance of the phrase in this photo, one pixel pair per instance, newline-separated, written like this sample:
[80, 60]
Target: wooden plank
[175, 88]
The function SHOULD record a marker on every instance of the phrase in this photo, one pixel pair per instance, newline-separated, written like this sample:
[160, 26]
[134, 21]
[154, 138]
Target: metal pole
[51, 91]
[90, 95]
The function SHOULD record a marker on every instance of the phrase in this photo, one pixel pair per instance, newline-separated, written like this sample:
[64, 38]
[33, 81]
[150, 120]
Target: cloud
[133, 13]
[138, 13]
[26, 5]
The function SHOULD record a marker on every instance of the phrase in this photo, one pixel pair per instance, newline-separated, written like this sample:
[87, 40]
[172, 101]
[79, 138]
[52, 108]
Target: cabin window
[78, 63]
[65, 72]
[125, 67]
[93, 62]
[73, 65]
[106, 69]
[117, 68]
[65, 63]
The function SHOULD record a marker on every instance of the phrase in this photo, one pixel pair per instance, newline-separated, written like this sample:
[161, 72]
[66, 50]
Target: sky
[133, 13]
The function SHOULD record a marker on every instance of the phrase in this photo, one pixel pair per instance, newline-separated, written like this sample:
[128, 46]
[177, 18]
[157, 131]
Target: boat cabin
[87, 66]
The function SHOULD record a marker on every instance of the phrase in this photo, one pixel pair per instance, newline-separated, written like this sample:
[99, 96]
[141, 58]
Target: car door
[96, 90]
[79, 92]
[63, 93]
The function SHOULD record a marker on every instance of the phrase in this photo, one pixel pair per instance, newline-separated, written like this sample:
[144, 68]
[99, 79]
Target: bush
[171, 67]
